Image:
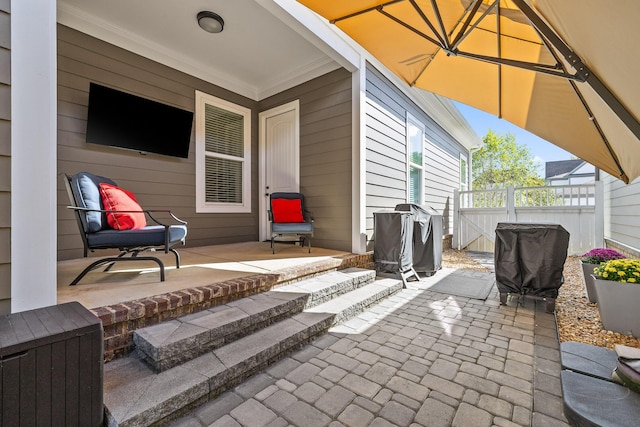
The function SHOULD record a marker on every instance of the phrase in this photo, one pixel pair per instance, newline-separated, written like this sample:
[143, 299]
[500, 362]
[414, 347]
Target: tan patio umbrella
[565, 70]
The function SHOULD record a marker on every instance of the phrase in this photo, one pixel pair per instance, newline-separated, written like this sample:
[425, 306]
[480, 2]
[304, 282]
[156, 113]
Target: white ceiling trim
[103, 30]
[316, 30]
[298, 76]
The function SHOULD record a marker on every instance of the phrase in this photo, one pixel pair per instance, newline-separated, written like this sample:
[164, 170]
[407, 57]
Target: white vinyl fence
[578, 208]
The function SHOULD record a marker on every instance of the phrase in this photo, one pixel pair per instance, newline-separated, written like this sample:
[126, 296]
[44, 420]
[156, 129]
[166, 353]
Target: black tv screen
[119, 119]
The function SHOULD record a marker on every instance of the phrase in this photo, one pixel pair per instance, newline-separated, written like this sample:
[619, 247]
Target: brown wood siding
[159, 182]
[386, 169]
[325, 153]
[5, 157]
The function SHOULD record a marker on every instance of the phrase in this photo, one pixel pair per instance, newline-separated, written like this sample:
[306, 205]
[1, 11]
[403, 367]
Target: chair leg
[112, 260]
[273, 249]
[309, 243]
[177, 257]
[123, 253]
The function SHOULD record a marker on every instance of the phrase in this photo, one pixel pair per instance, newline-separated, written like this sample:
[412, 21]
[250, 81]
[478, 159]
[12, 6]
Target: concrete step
[352, 303]
[325, 287]
[168, 344]
[136, 395]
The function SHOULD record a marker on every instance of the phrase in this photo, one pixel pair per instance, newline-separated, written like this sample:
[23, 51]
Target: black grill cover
[427, 237]
[392, 247]
[529, 258]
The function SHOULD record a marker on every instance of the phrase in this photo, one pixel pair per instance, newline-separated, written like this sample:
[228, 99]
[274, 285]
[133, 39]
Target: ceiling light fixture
[210, 22]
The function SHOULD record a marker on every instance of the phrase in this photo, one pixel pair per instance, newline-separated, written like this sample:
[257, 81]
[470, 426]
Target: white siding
[622, 210]
[386, 153]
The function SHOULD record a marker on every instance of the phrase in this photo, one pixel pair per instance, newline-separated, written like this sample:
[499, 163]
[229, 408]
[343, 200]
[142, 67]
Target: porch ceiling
[257, 55]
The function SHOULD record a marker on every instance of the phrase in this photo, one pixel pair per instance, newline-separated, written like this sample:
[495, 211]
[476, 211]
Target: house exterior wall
[325, 153]
[621, 210]
[5, 157]
[386, 164]
[162, 182]
[159, 182]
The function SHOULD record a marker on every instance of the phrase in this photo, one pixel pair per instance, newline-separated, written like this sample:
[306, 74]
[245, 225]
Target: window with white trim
[464, 174]
[415, 160]
[223, 155]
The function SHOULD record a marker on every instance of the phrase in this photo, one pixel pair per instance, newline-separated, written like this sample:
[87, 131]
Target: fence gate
[578, 208]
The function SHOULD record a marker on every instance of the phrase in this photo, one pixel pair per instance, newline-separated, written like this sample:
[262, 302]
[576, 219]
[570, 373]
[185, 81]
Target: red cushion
[287, 210]
[118, 199]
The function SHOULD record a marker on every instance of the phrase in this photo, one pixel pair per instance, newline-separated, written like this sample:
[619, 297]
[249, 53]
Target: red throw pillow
[287, 210]
[118, 199]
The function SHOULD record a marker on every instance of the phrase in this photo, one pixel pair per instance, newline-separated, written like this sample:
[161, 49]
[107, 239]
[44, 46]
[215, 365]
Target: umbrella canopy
[563, 70]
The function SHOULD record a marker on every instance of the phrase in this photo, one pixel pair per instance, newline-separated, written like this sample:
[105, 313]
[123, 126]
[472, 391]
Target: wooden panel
[5, 282]
[5, 66]
[5, 30]
[5, 137]
[45, 388]
[5, 102]
[5, 245]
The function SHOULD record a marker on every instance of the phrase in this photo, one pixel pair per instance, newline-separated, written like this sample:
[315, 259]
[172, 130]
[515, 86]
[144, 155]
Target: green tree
[501, 162]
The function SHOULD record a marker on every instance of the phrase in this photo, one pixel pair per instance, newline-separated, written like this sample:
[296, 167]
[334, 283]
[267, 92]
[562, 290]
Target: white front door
[279, 156]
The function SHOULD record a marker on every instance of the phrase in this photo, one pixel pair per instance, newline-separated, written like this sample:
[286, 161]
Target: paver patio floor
[420, 358]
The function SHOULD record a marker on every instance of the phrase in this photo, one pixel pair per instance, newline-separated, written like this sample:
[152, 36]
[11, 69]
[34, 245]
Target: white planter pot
[618, 306]
[587, 275]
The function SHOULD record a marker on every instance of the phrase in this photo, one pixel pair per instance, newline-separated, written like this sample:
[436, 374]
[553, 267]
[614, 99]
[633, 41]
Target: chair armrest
[145, 211]
[175, 218]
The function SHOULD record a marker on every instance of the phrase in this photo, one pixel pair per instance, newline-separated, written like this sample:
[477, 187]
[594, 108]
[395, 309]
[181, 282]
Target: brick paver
[420, 358]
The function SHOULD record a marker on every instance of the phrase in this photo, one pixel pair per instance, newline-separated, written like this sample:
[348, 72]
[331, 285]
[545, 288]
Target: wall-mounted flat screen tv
[119, 119]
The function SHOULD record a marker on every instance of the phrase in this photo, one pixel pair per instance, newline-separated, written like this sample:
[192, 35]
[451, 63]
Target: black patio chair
[289, 217]
[86, 201]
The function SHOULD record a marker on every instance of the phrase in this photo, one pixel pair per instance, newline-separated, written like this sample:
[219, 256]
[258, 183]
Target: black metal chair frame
[307, 215]
[132, 250]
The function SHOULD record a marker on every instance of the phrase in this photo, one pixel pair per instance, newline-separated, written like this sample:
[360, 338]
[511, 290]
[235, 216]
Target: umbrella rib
[363, 11]
[436, 11]
[461, 35]
[613, 155]
[531, 66]
[443, 41]
[410, 28]
[586, 75]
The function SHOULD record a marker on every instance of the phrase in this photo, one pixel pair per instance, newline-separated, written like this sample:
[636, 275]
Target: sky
[542, 150]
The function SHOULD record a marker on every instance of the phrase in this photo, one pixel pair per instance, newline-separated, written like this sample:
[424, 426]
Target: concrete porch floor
[199, 266]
